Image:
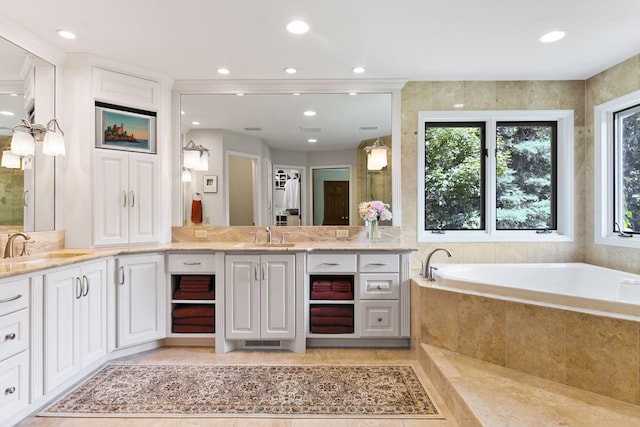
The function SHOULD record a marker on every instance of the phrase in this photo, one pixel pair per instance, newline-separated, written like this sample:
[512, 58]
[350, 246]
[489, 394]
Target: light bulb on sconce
[26, 134]
[10, 160]
[186, 175]
[376, 155]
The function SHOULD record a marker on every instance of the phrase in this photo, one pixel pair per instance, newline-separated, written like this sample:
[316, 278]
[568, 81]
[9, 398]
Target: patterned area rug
[271, 391]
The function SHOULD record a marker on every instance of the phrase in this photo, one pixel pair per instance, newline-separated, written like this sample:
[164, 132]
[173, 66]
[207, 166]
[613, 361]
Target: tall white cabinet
[125, 195]
[75, 335]
[260, 297]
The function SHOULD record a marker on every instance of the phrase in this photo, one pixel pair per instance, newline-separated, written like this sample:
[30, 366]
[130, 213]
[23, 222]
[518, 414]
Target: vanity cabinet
[260, 297]
[14, 347]
[125, 195]
[141, 299]
[75, 326]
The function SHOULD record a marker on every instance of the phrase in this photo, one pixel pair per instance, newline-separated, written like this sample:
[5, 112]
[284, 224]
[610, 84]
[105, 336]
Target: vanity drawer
[14, 385]
[379, 319]
[384, 263]
[14, 296]
[191, 263]
[331, 263]
[380, 286]
[14, 333]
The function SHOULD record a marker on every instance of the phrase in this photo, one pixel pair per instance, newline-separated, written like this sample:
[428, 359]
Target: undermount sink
[264, 245]
[46, 257]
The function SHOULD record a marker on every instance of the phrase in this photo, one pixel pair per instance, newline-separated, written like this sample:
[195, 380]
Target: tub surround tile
[540, 328]
[602, 355]
[481, 328]
[439, 324]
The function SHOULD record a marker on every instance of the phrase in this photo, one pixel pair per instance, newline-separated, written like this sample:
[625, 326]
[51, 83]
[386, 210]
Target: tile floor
[195, 355]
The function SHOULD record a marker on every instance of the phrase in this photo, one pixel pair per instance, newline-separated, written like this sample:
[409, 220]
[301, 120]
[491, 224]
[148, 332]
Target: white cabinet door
[143, 212]
[242, 297]
[260, 297]
[75, 321]
[63, 290]
[110, 198]
[93, 313]
[278, 308]
[141, 311]
[125, 198]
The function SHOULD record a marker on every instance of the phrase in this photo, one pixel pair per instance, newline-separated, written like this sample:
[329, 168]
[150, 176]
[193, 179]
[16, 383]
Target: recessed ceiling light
[290, 70]
[458, 105]
[353, 93]
[358, 70]
[66, 34]
[14, 94]
[239, 94]
[552, 36]
[297, 27]
[7, 113]
[312, 140]
[182, 112]
[223, 70]
[309, 113]
[295, 94]
[195, 123]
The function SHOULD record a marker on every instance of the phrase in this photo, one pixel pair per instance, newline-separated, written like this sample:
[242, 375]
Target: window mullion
[490, 174]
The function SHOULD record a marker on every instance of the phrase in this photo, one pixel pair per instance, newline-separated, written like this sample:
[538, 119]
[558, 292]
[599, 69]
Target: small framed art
[210, 184]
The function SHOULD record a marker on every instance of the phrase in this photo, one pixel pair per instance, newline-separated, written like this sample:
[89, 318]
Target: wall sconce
[186, 175]
[10, 160]
[376, 155]
[193, 157]
[26, 134]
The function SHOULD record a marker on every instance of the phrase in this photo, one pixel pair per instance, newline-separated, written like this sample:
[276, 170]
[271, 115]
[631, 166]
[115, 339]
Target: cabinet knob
[379, 286]
[10, 390]
[10, 337]
[379, 319]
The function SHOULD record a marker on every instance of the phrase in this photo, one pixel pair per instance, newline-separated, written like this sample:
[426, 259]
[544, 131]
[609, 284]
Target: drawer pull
[10, 337]
[379, 286]
[331, 263]
[10, 390]
[379, 319]
[11, 298]
[192, 263]
[379, 264]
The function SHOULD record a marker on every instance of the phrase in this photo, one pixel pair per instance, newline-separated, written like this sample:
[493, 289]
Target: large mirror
[293, 165]
[27, 85]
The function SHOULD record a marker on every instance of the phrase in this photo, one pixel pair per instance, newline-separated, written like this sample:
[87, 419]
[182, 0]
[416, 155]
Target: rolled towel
[193, 310]
[332, 311]
[193, 328]
[194, 321]
[325, 321]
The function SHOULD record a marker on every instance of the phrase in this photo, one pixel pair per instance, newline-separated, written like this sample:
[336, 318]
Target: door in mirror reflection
[331, 196]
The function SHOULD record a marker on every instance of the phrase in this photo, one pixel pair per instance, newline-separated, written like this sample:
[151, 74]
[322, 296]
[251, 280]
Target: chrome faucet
[8, 249]
[428, 269]
[268, 234]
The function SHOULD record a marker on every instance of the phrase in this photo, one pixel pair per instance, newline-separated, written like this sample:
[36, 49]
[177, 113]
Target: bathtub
[574, 286]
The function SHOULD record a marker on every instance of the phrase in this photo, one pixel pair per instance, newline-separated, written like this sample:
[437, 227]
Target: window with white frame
[617, 169]
[495, 176]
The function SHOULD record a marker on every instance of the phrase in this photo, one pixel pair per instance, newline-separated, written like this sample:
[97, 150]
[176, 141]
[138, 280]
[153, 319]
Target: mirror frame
[229, 87]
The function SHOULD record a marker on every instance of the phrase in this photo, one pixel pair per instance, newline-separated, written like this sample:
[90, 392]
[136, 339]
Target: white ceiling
[402, 39]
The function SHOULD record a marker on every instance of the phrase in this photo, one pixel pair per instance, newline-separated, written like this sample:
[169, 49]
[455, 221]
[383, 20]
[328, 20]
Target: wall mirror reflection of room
[287, 196]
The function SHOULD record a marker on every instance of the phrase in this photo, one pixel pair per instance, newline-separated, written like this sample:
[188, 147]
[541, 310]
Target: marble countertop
[28, 264]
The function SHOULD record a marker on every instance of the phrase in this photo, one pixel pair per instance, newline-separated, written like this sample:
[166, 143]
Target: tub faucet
[8, 249]
[428, 269]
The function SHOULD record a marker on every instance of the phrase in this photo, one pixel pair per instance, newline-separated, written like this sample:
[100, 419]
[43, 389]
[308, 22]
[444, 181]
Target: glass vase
[374, 230]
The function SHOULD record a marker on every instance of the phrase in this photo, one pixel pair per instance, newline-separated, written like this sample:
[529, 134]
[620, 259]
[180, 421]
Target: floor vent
[262, 343]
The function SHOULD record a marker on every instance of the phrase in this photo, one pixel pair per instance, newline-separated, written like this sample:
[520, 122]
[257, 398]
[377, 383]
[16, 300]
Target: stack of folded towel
[331, 289]
[332, 319]
[193, 318]
[194, 287]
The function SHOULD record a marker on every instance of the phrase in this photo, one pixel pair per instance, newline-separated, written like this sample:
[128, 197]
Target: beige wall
[491, 95]
[619, 80]
[580, 96]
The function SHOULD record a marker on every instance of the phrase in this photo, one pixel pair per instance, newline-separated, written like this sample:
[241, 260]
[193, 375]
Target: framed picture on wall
[127, 129]
[210, 184]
